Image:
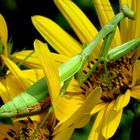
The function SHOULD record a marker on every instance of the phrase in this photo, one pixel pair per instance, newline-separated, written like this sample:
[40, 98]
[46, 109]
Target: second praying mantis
[26, 102]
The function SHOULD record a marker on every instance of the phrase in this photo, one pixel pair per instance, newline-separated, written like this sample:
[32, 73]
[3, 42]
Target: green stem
[25, 58]
[106, 72]
[91, 70]
[42, 123]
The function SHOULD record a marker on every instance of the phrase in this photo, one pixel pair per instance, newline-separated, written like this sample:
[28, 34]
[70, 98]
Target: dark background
[17, 14]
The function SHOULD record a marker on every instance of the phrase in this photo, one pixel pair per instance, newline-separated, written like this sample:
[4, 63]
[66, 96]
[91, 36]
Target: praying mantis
[38, 92]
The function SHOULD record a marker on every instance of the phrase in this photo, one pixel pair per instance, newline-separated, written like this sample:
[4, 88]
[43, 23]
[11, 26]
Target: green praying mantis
[26, 102]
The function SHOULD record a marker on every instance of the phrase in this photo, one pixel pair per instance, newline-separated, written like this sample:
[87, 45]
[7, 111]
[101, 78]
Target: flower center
[26, 128]
[117, 82]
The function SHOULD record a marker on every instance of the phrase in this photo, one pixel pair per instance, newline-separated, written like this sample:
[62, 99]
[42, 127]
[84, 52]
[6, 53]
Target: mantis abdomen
[30, 101]
[35, 98]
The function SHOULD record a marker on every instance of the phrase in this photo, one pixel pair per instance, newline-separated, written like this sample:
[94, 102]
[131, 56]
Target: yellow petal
[77, 20]
[92, 100]
[135, 32]
[4, 34]
[83, 120]
[33, 74]
[95, 133]
[126, 23]
[74, 87]
[32, 61]
[22, 80]
[9, 87]
[98, 107]
[122, 100]
[87, 107]
[84, 109]
[13, 89]
[67, 105]
[3, 93]
[56, 36]
[59, 58]
[135, 92]
[27, 58]
[63, 135]
[136, 73]
[134, 24]
[105, 14]
[112, 120]
[50, 69]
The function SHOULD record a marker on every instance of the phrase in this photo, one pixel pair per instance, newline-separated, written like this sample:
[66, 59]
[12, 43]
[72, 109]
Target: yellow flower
[123, 74]
[25, 127]
[15, 74]
[13, 80]
[64, 106]
[51, 72]
[5, 46]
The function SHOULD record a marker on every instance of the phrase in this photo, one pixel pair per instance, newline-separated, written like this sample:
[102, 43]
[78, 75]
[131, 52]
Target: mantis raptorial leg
[103, 54]
[70, 68]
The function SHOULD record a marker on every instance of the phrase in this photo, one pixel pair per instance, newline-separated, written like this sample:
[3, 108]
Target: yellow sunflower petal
[95, 133]
[134, 24]
[74, 87]
[63, 135]
[3, 93]
[92, 100]
[126, 23]
[111, 122]
[136, 30]
[32, 61]
[105, 14]
[50, 69]
[33, 75]
[56, 36]
[27, 58]
[135, 92]
[13, 89]
[67, 105]
[59, 58]
[122, 100]
[98, 107]
[22, 80]
[136, 73]
[84, 109]
[137, 67]
[83, 120]
[9, 87]
[77, 20]
[4, 34]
